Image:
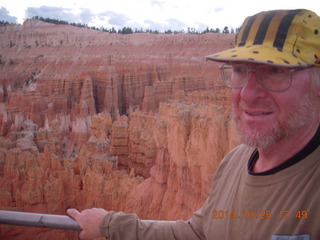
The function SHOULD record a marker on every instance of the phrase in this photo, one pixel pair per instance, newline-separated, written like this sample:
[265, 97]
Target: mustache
[258, 104]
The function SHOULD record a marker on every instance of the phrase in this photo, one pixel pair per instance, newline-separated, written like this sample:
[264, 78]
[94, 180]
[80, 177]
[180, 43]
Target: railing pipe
[46, 220]
[38, 220]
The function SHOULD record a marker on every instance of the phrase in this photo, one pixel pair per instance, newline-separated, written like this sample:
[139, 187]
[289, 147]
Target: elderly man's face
[265, 117]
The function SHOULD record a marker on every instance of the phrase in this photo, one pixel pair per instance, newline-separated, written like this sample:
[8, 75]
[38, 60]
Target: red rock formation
[191, 139]
[44, 182]
[77, 106]
[45, 67]
[142, 146]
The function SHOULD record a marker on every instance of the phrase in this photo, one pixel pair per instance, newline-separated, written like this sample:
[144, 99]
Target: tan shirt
[281, 206]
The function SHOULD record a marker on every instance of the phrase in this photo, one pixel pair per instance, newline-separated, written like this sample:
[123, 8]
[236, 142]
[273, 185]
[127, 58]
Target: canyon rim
[127, 122]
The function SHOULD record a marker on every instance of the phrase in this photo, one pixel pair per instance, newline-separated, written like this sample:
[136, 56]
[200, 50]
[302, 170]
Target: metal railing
[38, 220]
[46, 220]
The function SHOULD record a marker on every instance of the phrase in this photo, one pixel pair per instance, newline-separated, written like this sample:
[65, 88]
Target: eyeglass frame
[291, 71]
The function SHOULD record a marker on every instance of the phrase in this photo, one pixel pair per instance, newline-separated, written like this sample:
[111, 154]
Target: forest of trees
[128, 30]
[4, 23]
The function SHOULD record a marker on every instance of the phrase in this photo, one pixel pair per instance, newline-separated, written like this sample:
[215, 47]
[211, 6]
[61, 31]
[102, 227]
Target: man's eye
[239, 69]
[276, 70]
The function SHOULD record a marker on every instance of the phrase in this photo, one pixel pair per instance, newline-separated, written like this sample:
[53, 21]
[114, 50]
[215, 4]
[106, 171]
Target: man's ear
[317, 75]
[318, 86]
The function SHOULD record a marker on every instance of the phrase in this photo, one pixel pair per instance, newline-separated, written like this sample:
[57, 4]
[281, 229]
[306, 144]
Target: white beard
[264, 138]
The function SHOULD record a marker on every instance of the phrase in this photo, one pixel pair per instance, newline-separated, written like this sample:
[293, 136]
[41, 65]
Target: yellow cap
[288, 38]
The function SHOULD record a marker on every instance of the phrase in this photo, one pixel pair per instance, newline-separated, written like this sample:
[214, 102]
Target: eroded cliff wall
[134, 123]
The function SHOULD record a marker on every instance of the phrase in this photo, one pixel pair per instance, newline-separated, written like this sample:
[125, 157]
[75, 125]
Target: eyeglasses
[272, 78]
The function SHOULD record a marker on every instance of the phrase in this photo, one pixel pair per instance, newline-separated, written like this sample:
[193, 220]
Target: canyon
[135, 123]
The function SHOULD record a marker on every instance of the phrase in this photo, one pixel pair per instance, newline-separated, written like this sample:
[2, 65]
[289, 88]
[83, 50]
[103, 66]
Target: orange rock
[91, 119]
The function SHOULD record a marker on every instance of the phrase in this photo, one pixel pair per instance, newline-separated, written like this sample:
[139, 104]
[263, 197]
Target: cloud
[155, 25]
[116, 19]
[171, 24]
[157, 2]
[86, 15]
[201, 26]
[218, 9]
[4, 16]
[53, 13]
[66, 14]
[176, 24]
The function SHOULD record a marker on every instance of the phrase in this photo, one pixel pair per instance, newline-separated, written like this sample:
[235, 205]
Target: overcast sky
[147, 14]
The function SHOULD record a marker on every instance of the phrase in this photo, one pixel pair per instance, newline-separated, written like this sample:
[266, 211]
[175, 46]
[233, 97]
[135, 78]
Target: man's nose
[252, 89]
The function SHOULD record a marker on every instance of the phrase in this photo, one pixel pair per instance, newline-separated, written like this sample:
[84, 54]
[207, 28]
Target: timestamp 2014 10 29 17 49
[263, 214]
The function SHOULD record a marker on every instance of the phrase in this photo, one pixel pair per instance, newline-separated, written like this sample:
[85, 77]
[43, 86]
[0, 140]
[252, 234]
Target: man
[269, 187]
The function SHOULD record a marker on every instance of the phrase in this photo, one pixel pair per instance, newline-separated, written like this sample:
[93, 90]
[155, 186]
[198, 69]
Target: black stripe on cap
[246, 30]
[284, 28]
[263, 28]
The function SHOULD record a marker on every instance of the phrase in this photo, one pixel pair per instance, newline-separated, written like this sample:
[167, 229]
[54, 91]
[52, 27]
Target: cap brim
[259, 54]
